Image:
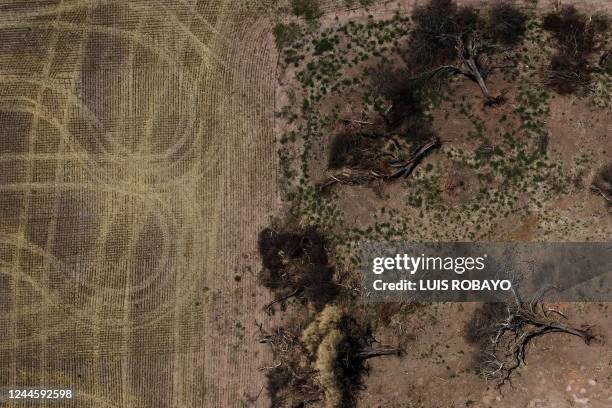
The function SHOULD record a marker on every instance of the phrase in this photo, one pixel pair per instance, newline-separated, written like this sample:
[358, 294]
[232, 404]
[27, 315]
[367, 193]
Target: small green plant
[323, 46]
[285, 35]
[309, 9]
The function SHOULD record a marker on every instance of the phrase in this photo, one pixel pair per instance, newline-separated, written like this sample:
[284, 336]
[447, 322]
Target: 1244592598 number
[35, 393]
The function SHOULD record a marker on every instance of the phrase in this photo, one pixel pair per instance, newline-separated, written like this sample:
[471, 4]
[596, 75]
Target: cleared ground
[137, 162]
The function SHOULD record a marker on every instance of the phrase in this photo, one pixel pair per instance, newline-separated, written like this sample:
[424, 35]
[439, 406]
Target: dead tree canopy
[456, 40]
[578, 37]
[339, 347]
[295, 264]
[504, 332]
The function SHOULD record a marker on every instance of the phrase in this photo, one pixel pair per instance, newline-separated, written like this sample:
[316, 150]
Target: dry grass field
[137, 163]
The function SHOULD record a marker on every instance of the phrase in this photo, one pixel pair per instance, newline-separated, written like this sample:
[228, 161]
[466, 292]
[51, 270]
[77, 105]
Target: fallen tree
[505, 332]
[385, 159]
[452, 40]
[323, 363]
[339, 348]
[390, 144]
[578, 37]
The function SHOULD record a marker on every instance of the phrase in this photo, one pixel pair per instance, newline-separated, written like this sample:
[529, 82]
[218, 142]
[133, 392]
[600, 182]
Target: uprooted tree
[453, 40]
[360, 157]
[504, 332]
[320, 352]
[334, 348]
[579, 38]
[391, 144]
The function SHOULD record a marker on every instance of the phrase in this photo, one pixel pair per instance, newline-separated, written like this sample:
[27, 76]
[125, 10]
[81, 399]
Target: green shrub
[286, 35]
[309, 9]
[323, 46]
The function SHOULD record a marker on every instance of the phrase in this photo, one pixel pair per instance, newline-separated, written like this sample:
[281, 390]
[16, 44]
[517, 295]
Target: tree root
[507, 349]
[365, 354]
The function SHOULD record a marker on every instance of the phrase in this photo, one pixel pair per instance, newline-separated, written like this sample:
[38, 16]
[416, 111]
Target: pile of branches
[326, 362]
[289, 382]
[602, 184]
[359, 158]
[504, 332]
[295, 264]
[390, 145]
[578, 37]
[451, 40]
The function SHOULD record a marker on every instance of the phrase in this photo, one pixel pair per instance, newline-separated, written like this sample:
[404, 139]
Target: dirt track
[137, 163]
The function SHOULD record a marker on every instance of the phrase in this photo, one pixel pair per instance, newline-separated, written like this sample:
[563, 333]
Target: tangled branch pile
[295, 263]
[358, 158]
[504, 332]
[578, 37]
[454, 40]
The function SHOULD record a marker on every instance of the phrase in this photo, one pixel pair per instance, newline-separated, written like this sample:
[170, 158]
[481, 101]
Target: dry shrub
[578, 37]
[506, 23]
[436, 26]
[327, 356]
[335, 339]
[296, 261]
[324, 322]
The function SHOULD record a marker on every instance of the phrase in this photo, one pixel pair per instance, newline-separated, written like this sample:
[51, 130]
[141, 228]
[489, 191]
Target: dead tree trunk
[365, 354]
[406, 167]
[390, 166]
[469, 55]
[507, 349]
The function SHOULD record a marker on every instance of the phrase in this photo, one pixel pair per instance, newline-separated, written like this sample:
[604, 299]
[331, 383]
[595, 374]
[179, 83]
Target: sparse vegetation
[285, 35]
[367, 104]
